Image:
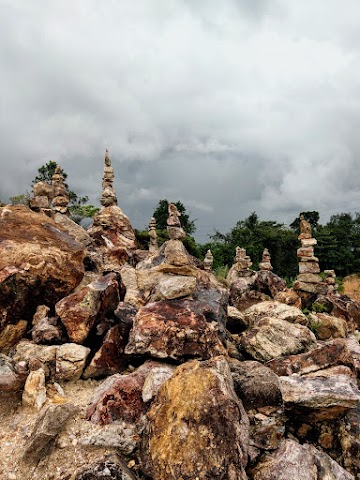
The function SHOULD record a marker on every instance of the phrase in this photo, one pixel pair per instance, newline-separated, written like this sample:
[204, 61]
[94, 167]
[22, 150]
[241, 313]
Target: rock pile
[265, 263]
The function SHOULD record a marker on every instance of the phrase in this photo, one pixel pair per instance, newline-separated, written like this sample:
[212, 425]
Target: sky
[230, 107]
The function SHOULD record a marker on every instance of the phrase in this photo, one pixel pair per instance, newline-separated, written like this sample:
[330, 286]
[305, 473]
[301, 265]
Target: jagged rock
[119, 397]
[202, 417]
[271, 338]
[36, 356]
[265, 263]
[122, 436]
[350, 441]
[255, 385]
[324, 356]
[326, 326]
[174, 329]
[171, 287]
[11, 380]
[274, 309]
[175, 254]
[49, 424]
[154, 380]
[73, 229]
[109, 359]
[315, 288]
[42, 311]
[129, 280]
[266, 431]
[109, 469]
[269, 283]
[34, 394]
[289, 297]
[298, 462]
[319, 398]
[242, 297]
[46, 331]
[126, 312]
[11, 334]
[331, 371]
[343, 307]
[81, 310]
[235, 322]
[70, 361]
[34, 272]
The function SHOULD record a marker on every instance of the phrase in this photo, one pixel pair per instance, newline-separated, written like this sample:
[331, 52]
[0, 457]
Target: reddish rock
[343, 307]
[82, 309]
[119, 397]
[174, 329]
[39, 263]
[289, 297]
[269, 283]
[328, 355]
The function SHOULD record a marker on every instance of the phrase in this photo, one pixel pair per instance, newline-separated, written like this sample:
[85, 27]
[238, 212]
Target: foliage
[311, 217]
[161, 214]
[22, 199]
[318, 307]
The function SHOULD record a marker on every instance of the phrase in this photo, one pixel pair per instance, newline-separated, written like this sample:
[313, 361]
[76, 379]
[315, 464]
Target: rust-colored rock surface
[174, 329]
[194, 412]
[39, 263]
[80, 310]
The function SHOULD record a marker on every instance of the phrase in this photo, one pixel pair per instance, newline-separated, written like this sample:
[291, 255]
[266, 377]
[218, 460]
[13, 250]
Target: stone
[274, 309]
[326, 326]
[174, 329]
[309, 267]
[243, 293]
[330, 354]
[60, 194]
[36, 356]
[46, 331]
[129, 279]
[174, 228]
[11, 334]
[235, 322]
[241, 267]
[271, 338]
[108, 197]
[309, 278]
[269, 283]
[265, 263]
[109, 359]
[308, 242]
[266, 432]
[305, 252]
[154, 380]
[289, 297]
[42, 311]
[350, 441]
[70, 361]
[122, 436]
[153, 245]
[255, 384]
[81, 310]
[119, 397]
[202, 417]
[171, 287]
[48, 425]
[343, 307]
[10, 379]
[208, 261]
[316, 288]
[175, 253]
[298, 462]
[319, 398]
[73, 229]
[108, 469]
[351, 285]
[34, 394]
[34, 272]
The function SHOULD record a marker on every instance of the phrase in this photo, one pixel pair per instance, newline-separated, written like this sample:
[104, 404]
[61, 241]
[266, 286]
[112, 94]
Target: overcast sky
[229, 106]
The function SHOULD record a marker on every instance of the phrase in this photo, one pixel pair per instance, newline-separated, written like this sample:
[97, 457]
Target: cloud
[229, 106]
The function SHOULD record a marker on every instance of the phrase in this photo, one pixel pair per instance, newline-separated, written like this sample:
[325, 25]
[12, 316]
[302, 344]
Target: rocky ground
[124, 364]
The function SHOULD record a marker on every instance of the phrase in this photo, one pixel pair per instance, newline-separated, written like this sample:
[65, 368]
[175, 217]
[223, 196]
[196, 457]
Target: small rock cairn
[61, 199]
[308, 280]
[330, 279]
[265, 263]
[108, 197]
[174, 228]
[153, 246]
[208, 261]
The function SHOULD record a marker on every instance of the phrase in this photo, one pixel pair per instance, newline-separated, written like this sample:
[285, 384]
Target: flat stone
[305, 252]
[171, 287]
[309, 267]
[309, 278]
[315, 288]
[308, 242]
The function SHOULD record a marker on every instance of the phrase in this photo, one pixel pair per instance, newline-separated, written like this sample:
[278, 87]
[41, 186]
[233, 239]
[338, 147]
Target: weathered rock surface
[154, 380]
[119, 397]
[255, 385]
[289, 297]
[351, 285]
[276, 310]
[331, 354]
[39, 263]
[269, 283]
[319, 398]
[350, 441]
[122, 436]
[326, 326]
[11, 380]
[81, 310]
[271, 338]
[11, 334]
[343, 307]
[186, 432]
[47, 331]
[171, 287]
[70, 361]
[73, 229]
[49, 424]
[174, 329]
[235, 321]
[34, 394]
[109, 469]
[298, 462]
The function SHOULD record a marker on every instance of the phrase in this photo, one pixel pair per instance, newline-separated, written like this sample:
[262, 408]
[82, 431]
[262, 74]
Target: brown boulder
[174, 329]
[39, 263]
[197, 427]
[326, 326]
[269, 283]
[82, 309]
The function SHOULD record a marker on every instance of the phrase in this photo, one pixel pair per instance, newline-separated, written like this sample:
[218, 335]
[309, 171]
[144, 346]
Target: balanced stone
[265, 263]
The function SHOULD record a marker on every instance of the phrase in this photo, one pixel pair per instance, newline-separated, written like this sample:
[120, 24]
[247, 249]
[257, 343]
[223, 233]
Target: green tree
[22, 199]
[311, 217]
[161, 214]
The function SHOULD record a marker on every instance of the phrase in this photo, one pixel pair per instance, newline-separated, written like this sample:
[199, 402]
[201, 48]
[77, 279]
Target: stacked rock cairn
[208, 260]
[108, 196]
[61, 199]
[330, 279]
[308, 280]
[153, 245]
[174, 228]
[243, 263]
[265, 263]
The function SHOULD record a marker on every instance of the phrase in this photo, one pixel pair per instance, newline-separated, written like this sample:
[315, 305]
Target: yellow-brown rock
[197, 426]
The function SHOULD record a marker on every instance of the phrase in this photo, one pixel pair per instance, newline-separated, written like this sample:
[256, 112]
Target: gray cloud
[228, 106]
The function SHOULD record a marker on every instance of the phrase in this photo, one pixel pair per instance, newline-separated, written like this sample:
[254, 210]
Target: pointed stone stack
[61, 199]
[174, 228]
[241, 267]
[308, 280]
[265, 263]
[153, 246]
[108, 196]
[208, 261]
[330, 279]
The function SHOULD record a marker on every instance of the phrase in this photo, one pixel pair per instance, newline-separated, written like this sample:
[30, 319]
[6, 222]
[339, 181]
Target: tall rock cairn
[308, 280]
[108, 196]
[265, 263]
[174, 227]
[61, 199]
[153, 245]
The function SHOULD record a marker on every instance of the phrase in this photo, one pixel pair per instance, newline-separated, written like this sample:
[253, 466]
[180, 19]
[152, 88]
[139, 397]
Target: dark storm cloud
[230, 106]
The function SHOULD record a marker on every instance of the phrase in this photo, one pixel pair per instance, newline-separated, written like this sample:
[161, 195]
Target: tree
[22, 199]
[161, 214]
[311, 217]
[78, 207]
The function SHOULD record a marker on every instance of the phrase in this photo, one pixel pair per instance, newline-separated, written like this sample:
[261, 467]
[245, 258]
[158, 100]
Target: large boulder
[276, 310]
[326, 326]
[197, 427]
[82, 309]
[271, 338]
[174, 329]
[298, 462]
[39, 263]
